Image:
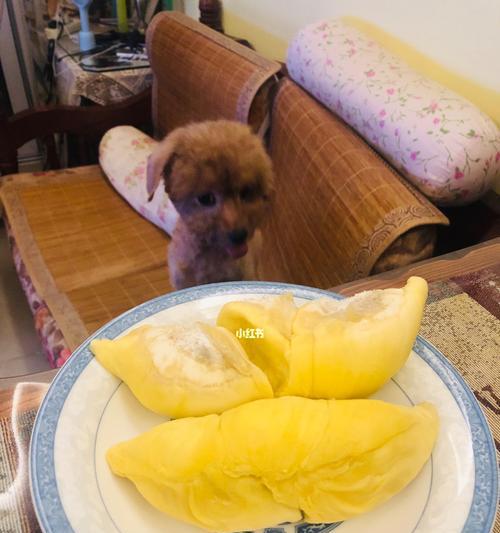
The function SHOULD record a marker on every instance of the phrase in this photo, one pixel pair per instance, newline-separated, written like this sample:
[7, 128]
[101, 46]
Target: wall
[454, 41]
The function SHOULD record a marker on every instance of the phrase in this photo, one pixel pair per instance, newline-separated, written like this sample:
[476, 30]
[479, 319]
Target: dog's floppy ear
[160, 159]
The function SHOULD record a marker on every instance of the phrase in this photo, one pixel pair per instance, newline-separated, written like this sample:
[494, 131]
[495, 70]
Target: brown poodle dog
[219, 178]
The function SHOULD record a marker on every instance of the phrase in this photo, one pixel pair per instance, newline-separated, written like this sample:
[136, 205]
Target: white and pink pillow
[123, 156]
[443, 144]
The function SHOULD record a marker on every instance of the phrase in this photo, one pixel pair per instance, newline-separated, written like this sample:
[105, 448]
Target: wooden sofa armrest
[85, 122]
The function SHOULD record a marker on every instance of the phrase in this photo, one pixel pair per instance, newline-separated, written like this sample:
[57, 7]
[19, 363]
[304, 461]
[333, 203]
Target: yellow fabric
[486, 99]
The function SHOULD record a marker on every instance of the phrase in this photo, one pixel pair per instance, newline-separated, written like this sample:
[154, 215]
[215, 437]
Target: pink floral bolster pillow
[439, 141]
[123, 156]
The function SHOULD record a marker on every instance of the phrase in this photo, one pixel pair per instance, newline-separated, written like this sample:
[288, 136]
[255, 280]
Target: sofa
[84, 255]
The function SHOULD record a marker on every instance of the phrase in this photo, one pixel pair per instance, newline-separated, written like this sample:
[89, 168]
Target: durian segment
[182, 371]
[176, 467]
[368, 452]
[273, 461]
[350, 348]
[273, 315]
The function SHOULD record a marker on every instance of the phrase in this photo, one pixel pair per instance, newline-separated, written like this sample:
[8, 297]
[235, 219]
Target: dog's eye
[207, 200]
[248, 194]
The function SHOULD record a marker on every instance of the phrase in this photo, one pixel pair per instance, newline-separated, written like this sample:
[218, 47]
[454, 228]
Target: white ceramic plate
[86, 410]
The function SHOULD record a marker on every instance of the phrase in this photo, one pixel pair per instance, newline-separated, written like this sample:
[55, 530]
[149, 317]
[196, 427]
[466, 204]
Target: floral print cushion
[123, 156]
[53, 343]
[439, 141]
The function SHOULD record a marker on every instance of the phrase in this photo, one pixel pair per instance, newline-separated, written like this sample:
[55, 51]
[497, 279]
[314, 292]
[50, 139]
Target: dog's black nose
[238, 236]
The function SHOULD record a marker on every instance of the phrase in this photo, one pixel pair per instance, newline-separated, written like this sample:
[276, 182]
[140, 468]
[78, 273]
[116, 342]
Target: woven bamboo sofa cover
[87, 254]
[90, 256]
[340, 211]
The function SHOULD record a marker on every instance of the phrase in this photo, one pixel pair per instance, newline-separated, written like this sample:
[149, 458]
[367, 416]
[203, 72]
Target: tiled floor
[20, 349]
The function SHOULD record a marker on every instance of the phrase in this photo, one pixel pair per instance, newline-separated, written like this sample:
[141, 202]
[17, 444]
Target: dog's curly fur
[220, 180]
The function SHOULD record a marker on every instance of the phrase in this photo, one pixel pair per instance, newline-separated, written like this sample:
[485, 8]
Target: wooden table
[102, 88]
[479, 257]
[22, 395]
[39, 377]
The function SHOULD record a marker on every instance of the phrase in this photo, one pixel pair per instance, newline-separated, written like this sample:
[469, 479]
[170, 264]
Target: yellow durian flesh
[350, 348]
[272, 461]
[368, 452]
[274, 316]
[181, 371]
[176, 467]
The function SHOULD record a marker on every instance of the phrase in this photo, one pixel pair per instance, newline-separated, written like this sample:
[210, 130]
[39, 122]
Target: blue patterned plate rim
[43, 484]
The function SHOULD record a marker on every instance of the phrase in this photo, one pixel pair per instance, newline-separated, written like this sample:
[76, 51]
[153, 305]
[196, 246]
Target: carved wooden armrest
[84, 122]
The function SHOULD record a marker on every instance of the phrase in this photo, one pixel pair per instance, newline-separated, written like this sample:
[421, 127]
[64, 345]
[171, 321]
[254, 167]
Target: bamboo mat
[338, 205]
[97, 304]
[200, 74]
[89, 255]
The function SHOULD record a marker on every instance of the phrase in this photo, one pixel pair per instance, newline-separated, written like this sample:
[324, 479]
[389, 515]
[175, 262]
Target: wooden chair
[85, 124]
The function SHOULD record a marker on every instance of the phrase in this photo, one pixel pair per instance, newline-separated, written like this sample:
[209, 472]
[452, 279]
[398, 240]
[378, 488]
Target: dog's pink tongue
[237, 250]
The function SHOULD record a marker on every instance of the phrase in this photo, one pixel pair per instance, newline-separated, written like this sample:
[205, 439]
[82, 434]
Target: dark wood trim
[87, 122]
[472, 259]
[211, 14]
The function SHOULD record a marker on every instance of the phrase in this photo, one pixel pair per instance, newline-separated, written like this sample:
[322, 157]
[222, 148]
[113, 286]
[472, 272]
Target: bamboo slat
[200, 74]
[75, 234]
[338, 205]
[101, 302]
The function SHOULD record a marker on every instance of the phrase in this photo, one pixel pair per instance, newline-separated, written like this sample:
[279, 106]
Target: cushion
[438, 140]
[53, 343]
[123, 156]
